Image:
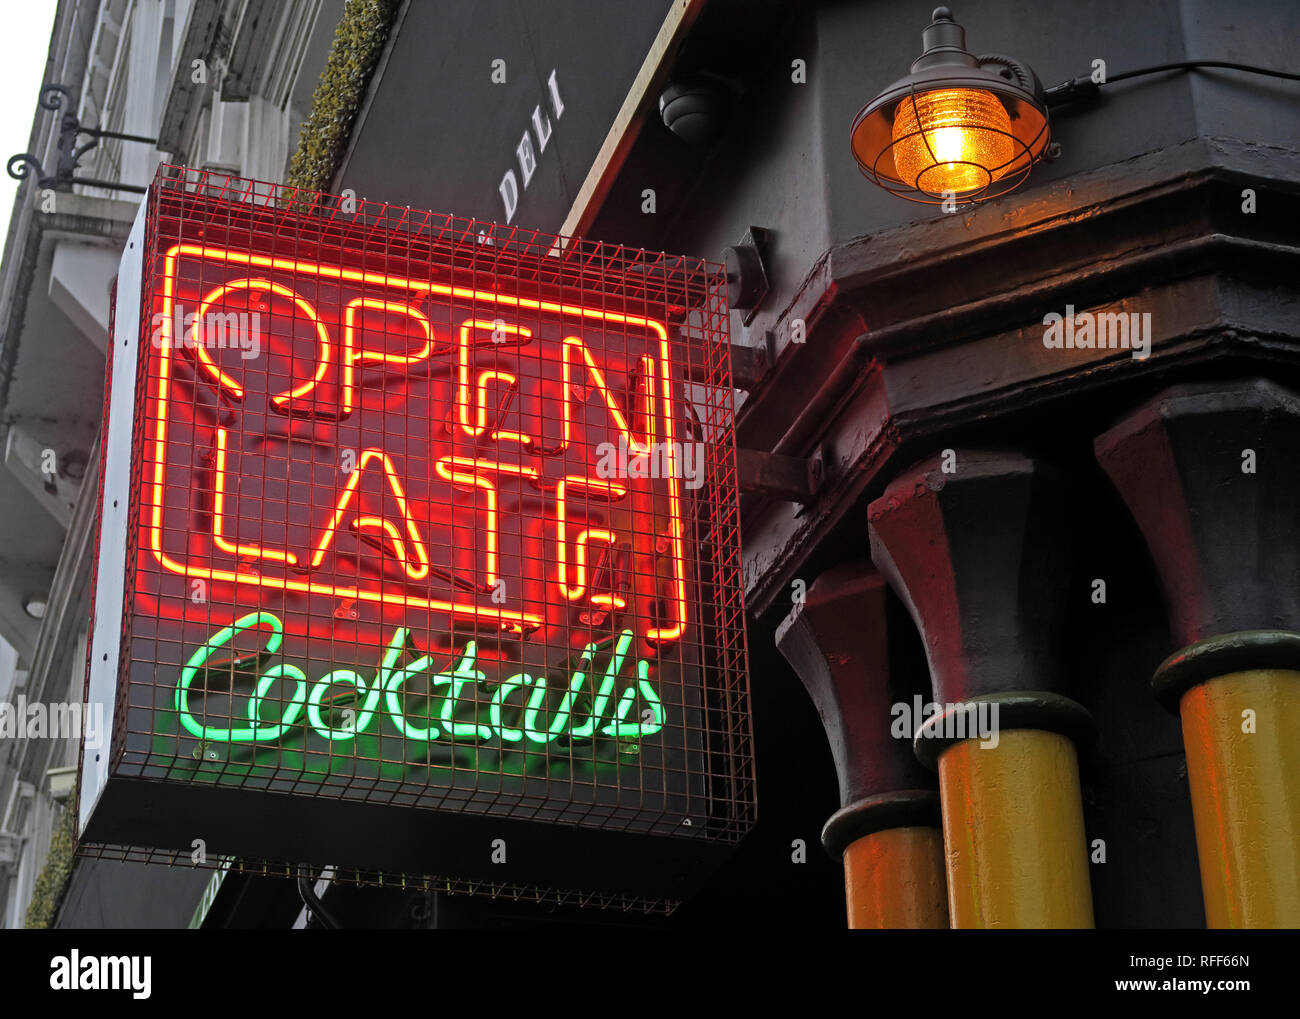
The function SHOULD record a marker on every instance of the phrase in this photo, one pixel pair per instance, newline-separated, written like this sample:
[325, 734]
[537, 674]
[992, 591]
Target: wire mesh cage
[959, 142]
[427, 551]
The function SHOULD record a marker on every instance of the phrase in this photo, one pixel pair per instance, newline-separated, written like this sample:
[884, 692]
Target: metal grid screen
[431, 514]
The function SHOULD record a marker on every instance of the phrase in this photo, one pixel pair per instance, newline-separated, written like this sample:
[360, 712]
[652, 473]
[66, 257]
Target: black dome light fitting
[958, 127]
[964, 129]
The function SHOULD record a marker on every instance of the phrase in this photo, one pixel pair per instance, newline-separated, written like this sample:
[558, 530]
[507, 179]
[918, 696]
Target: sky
[22, 64]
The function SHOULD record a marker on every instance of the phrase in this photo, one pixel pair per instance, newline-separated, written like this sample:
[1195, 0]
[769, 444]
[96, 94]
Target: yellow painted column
[1223, 538]
[894, 879]
[1013, 825]
[1241, 732]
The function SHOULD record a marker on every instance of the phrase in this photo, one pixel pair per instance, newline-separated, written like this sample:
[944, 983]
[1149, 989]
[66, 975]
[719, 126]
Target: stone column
[973, 542]
[1211, 474]
[887, 832]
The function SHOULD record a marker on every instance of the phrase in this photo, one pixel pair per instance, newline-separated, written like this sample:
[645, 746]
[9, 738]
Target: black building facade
[890, 335]
[944, 501]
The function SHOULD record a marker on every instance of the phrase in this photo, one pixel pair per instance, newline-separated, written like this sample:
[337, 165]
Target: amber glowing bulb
[954, 141]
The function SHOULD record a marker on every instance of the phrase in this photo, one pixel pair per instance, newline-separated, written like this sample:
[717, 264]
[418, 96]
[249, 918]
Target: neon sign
[609, 707]
[377, 550]
[579, 373]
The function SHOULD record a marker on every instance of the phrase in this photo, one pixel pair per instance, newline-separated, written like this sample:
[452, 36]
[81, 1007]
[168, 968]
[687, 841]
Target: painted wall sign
[527, 153]
[400, 525]
[524, 97]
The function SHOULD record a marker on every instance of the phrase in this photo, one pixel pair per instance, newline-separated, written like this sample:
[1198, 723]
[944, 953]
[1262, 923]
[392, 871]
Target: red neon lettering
[658, 388]
[416, 571]
[224, 381]
[471, 472]
[352, 355]
[605, 490]
[573, 347]
[479, 425]
[219, 513]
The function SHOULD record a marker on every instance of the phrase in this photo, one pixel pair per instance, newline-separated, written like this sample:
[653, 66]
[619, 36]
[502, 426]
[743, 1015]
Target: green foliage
[52, 882]
[358, 42]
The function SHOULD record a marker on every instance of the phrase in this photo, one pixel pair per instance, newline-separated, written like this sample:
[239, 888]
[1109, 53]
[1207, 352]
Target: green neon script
[518, 712]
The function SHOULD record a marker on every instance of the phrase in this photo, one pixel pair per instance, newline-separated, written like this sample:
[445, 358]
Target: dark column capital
[839, 643]
[1210, 473]
[978, 558]
[977, 553]
[1224, 538]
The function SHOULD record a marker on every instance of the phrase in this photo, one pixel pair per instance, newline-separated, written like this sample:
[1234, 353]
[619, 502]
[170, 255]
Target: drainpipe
[841, 642]
[1210, 474]
[972, 542]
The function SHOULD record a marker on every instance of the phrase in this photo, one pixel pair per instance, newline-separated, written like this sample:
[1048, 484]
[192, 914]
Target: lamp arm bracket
[1013, 70]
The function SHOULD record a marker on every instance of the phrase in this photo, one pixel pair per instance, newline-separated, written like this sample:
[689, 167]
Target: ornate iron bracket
[71, 150]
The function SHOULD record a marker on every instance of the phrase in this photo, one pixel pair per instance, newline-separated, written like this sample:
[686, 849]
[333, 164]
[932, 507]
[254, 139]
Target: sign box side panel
[114, 511]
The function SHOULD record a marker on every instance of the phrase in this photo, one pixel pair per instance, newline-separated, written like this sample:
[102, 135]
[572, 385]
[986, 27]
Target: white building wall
[129, 77]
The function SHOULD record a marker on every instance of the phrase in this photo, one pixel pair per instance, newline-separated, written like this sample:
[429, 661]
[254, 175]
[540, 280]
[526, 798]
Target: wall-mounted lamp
[71, 149]
[969, 128]
[957, 127]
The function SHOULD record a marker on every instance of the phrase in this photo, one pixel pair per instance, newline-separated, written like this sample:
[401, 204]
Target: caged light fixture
[958, 126]
[964, 128]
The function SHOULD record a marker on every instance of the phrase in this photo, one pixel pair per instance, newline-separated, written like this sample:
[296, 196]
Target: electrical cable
[1076, 89]
[1192, 64]
[314, 905]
